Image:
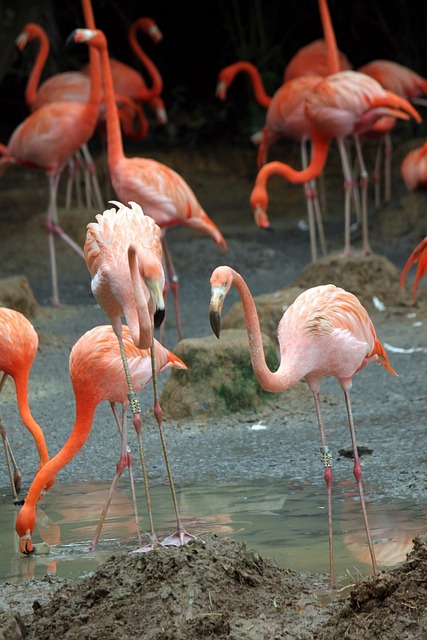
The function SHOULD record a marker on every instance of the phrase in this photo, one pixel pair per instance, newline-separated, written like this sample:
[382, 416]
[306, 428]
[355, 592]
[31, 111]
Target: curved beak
[155, 287]
[26, 545]
[215, 309]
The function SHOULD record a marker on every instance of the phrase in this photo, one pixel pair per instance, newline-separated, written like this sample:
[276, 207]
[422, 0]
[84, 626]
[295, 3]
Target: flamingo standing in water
[97, 374]
[18, 348]
[161, 192]
[124, 256]
[325, 332]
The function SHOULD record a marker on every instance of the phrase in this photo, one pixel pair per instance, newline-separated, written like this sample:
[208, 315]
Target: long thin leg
[388, 150]
[122, 463]
[327, 474]
[91, 168]
[364, 190]
[129, 464]
[347, 190]
[357, 470]
[316, 205]
[310, 208]
[174, 284]
[377, 173]
[181, 536]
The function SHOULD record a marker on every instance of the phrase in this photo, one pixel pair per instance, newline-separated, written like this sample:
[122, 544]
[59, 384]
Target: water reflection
[285, 521]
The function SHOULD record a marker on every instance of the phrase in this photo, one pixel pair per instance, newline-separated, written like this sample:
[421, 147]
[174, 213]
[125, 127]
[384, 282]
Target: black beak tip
[159, 316]
[215, 320]
[70, 40]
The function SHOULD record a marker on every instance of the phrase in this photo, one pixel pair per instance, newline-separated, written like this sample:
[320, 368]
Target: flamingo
[343, 104]
[312, 59]
[97, 374]
[161, 192]
[18, 348]
[419, 255]
[414, 168]
[404, 82]
[71, 86]
[123, 253]
[325, 332]
[45, 141]
[286, 117]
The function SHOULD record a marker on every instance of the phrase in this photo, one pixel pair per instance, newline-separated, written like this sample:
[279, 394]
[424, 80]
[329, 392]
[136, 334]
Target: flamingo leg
[377, 174]
[327, 474]
[174, 284]
[93, 179]
[309, 197]
[122, 463]
[181, 536]
[348, 182]
[357, 470]
[388, 150]
[130, 464]
[364, 191]
[311, 189]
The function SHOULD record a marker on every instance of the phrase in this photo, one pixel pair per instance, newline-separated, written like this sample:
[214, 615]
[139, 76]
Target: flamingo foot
[179, 539]
[153, 545]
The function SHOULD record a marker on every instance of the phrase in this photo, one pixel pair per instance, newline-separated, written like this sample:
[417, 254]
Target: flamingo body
[312, 59]
[326, 331]
[97, 375]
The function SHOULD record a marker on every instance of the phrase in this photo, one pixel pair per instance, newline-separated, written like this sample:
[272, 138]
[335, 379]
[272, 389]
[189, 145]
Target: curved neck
[270, 381]
[255, 77]
[114, 134]
[36, 71]
[141, 330]
[78, 436]
[329, 35]
[27, 418]
[150, 67]
[320, 146]
[88, 14]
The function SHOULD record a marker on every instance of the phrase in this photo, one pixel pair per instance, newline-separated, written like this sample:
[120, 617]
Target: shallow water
[283, 520]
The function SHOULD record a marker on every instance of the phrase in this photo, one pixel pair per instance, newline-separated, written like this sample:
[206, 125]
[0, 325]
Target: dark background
[200, 38]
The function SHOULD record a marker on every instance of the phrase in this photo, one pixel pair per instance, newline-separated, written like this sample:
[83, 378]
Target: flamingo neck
[27, 418]
[88, 14]
[140, 327]
[257, 84]
[329, 35]
[114, 134]
[78, 436]
[273, 381]
[150, 67]
[320, 146]
[35, 75]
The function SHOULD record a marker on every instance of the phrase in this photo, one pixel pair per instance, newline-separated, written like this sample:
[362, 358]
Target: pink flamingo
[18, 348]
[123, 253]
[97, 375]
[45, 141]
[404, 82]
[286, 118]
[160, 191]
[325, 332]
[312, 60]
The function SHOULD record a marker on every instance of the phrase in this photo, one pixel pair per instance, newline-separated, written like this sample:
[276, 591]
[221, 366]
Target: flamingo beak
[215, 309]
[155, 287]
[26, 545]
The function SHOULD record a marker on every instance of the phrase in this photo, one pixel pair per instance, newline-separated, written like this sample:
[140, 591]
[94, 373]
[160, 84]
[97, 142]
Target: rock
[12, 626]
[365, 276]
[16, 293]
[219, 380]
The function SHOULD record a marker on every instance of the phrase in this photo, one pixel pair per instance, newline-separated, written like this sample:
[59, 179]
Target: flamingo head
[221, 280]
[259, 204]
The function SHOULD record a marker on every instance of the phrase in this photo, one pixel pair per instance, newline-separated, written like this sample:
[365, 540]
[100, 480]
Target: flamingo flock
[325, 332]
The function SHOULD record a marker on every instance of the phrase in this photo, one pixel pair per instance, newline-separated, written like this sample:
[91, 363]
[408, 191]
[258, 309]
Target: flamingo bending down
[97, 374]
[124, 256]
[161, 192]
[419, 255]
[326, 331]
[286, 117]
[18, 348]
[343, 104]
